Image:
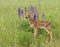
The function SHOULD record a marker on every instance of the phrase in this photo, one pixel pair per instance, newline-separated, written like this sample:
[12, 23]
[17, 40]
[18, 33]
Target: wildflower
[20, 11]
[35, 15]
[31, 8]
[43, 15]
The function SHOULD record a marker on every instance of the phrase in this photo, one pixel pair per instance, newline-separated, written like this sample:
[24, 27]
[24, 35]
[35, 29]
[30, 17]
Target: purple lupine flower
[34, 17]
[20, 11]
[32, 8]
[36, 14]
[43, 15]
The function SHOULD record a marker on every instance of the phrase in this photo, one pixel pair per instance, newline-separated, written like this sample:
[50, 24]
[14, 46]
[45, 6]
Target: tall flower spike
[43, 15]
[31, 8]
[35, 15]
[25, 9]
[20, 11]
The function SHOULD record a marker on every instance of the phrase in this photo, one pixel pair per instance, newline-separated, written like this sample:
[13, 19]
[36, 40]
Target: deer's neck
[31, 21]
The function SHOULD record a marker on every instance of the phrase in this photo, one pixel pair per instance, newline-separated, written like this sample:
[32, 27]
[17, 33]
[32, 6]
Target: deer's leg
[50, 34]
[35, 33]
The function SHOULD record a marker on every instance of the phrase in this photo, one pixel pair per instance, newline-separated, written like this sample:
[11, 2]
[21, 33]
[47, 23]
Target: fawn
[35, 24]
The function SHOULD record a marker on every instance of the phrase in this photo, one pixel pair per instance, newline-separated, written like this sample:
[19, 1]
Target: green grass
[17, 33]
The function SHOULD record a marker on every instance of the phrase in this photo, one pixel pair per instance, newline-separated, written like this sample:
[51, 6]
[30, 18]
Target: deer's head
[28, 15]
[30, 12]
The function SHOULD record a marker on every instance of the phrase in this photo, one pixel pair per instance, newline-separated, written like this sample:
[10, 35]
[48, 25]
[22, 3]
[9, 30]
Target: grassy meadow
[15, 32]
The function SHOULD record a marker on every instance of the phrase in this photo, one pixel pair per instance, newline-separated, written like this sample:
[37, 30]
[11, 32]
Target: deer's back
[39, 23]
[42, 23]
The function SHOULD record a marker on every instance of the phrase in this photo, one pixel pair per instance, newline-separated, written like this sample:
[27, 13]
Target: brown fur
[35, 24]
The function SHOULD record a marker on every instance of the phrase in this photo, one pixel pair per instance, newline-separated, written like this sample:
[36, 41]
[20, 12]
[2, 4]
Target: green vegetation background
[15, 32]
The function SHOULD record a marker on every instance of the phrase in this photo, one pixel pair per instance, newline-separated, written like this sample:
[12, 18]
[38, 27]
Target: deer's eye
[26, 17]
